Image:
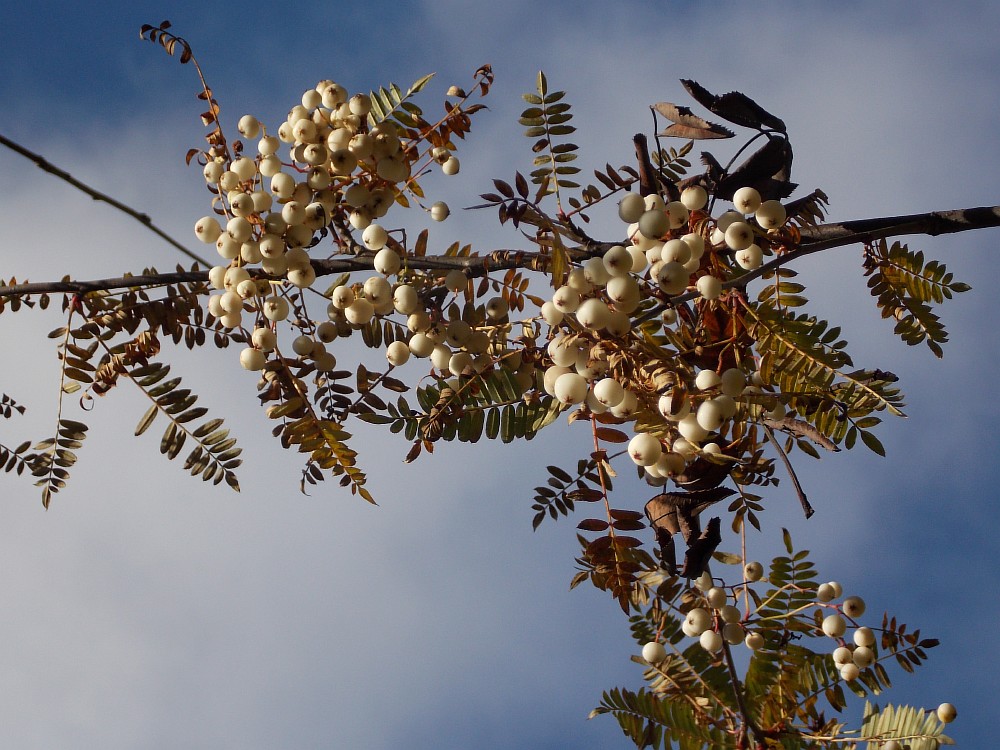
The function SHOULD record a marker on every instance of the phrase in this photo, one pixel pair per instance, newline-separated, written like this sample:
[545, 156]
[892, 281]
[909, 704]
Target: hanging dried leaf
[768, 170]
[688, 125]
[738, 108]
[700, 550]
[670, 513]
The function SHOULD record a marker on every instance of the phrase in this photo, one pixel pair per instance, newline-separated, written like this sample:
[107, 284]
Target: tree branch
[47, 166]
[803, 500]
[862, 231]
[813, 240]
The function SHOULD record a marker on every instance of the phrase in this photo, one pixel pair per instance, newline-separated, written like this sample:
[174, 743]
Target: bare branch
[801, 428]
[47, 166]
[499, 260]
[931, 224]
[863, 231]
[803, 500]
[813, 240]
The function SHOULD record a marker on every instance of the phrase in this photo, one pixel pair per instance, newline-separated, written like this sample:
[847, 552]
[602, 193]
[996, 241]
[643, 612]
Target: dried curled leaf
[735, 107]
[688, 125]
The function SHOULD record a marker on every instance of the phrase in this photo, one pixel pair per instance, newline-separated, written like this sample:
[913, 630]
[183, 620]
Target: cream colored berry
[947, 713]
[653, 652]
[709, 287]
[252, 359]
[694, 197]
[397, 353]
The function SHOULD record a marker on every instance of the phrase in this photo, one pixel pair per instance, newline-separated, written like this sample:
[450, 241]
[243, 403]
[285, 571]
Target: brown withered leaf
[703, 475]
[686, 124]
[670, 513]
[768, 170]
[699, 551]
[592, 524]
[735, 107]
[610, 435]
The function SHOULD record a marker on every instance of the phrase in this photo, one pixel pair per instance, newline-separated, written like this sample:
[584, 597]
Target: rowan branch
[813, 240]
[45, 165]
[863, 231]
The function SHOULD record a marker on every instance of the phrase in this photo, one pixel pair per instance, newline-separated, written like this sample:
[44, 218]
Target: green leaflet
[905, 287]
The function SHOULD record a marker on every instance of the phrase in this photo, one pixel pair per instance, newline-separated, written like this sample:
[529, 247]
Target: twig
[748, 722]
[47, 166]
[802, 429]
[647, 175]
[803, 500]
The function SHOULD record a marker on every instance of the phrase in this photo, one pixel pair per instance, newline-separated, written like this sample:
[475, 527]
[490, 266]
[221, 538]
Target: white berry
[644, 449]
[770, 215]
[716, 597]
[834, 626]
[750, 258]
[698, 620]
[654, 223]
[747, 200]
[732, 633]
[825, 593]
[709, 287]
[440, 211]
[711, 641]
[739, 235]
[386, 261]
[208, 229]
[947, 713]
[854, 606]
[397, 353]
[694, 197]
[654, 652]
[842, 655]
[609, 392]
[863, 657]
[252, 359]
[374, 236]
[864, 637]
[631, 207]
[571, 388]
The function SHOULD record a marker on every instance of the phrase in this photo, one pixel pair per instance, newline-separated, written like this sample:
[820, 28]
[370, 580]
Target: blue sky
[146, 610]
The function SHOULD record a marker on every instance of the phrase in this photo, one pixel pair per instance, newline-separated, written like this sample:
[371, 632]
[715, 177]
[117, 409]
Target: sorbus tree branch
[863, 231]
[813, 239]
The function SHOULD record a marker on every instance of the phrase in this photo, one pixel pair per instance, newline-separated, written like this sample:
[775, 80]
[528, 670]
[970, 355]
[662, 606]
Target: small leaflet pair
[670, 513]
[768, 169]
[735, 107]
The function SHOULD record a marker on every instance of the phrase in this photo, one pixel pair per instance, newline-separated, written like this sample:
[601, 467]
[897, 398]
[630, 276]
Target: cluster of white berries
[716, 621]
[720, 621]
[850, 658]
[659, 261]
[343, 165]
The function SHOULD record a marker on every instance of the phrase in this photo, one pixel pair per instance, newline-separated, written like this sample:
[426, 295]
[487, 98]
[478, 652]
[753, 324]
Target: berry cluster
[673, 247]
[715, 620]
[344, 172]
